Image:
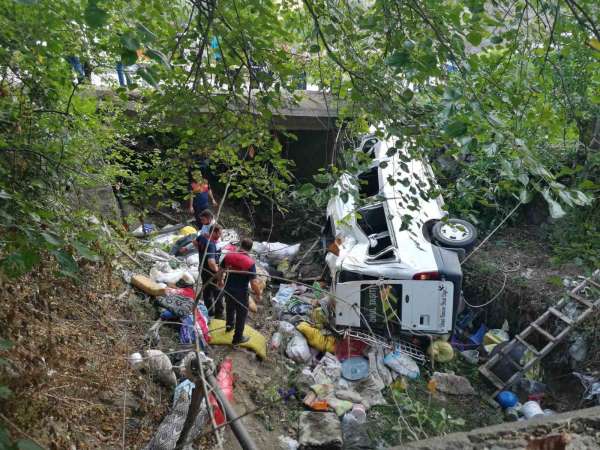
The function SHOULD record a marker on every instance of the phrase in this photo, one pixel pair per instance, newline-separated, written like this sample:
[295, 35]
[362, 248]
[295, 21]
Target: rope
[492, 232]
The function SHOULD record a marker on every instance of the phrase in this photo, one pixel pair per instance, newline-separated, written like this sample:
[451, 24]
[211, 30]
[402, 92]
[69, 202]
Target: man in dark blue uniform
[208, 272]
[236, 289]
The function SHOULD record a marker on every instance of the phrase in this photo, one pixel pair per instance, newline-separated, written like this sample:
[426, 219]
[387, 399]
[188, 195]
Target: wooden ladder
[586, 297]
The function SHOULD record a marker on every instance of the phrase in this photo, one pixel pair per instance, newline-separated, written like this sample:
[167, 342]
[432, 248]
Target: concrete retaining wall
[571, 430]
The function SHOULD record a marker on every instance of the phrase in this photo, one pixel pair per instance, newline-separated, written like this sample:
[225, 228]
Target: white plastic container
[359, 412]
[532, 409]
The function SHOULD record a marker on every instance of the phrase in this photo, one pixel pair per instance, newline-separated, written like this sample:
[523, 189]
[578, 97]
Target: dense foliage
[503, 96]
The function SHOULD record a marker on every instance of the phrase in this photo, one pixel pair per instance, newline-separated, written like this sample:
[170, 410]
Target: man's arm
[212, 265]
[191, 202]
[211, 197]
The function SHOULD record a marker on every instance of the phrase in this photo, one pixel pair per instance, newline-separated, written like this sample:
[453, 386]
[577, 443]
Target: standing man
[236, 289]
[209, 271]
[200, 194]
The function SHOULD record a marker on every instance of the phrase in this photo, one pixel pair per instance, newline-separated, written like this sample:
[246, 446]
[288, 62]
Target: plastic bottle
[359, 412]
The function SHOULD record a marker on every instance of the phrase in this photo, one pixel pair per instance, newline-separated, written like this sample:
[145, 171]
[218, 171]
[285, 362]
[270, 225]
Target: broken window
[372, 219]
[373, 223]
[369, 144]
[369, 183]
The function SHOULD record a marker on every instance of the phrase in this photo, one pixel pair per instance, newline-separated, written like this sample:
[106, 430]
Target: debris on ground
[320, 430]
[452, 384]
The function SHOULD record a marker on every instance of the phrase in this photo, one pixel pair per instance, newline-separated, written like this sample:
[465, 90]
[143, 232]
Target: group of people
[227, 277]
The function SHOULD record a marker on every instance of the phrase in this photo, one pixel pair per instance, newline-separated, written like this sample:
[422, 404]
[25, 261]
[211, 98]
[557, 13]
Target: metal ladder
[583, 299]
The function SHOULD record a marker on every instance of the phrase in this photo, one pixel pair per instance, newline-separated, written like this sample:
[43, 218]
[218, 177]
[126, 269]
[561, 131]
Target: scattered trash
[275, 341]
[507, 399]
[591, 385]
[578, 349]
[287, 443]
[402, 364]
[188, 229]
[316, 338]
[257, 342]
[157, 364]
[494, 337]
[441, 351]
[351, 396]
[287, 328]
[471, 356]
[275, 252]
[320, 430]
[328, 370]
[531, 387]
[340, 407]
[532, 409]
[512, 413]
[225, 381]
[168, 431]
[376, 355]
[348, 347]
[452, 384]
[400, 384]
[147, 285]
[370, 390]
[136, 361]
[185, 386]
[355, 368]
[144, 229]
[360, 413]
[297, 349]
[355, 434]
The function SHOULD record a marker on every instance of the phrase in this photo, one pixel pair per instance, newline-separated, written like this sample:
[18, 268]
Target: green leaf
[407, 95]
[145, 33]
[383, 164]
[128, 57]
[67, 264]
[307, 190]
[85, 252]
[94, 16]
[5, 392]
[525, 196]
[145, 75]
[5, 195]
[130, 41]
[474, 37]
[456, 129]
[315, 48]
[5, 344]
[20, 262]
[157, 56]
[27, 444]
[496, 39]
[51, 239]
[28, 2]
[398, 59]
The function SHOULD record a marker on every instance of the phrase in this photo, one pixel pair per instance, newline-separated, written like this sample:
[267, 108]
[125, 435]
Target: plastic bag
[159, 365]
[286, 328]
[402, 364]
[316, 338]
[276, 340]
[441, 351]
[171, 277]
[297, 349]
[275, 252]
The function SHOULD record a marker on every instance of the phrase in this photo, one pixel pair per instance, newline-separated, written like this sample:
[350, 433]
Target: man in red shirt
[241, 270]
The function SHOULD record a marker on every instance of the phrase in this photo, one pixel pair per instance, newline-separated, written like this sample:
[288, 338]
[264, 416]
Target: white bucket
[532, 409]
